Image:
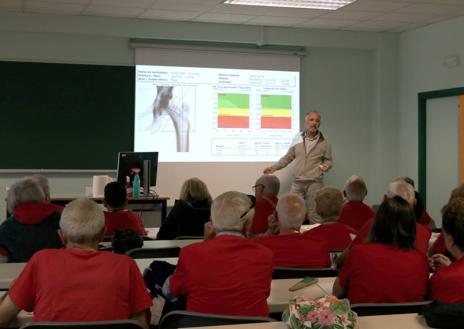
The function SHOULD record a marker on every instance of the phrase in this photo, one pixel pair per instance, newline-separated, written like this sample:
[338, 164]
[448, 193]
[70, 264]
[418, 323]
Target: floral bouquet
[327, 312]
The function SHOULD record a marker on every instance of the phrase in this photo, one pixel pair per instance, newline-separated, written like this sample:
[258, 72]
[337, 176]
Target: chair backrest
[294, 273]
[388, 308]
[116, 324]
[189, 237]
[167, 252]
[186, 319]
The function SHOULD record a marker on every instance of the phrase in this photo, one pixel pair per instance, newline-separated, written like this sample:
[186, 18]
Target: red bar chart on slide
[276, 111]
[233, 111]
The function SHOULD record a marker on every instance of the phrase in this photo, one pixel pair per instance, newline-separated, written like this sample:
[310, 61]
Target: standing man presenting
[312, 153]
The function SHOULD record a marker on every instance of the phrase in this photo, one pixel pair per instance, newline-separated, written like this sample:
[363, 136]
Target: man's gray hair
[43, 182]
[315, 112]
[230, 210]
[355, 188]
[24, 190]
[271, 183]
[82, 222]
[291, 211]
[404, 190]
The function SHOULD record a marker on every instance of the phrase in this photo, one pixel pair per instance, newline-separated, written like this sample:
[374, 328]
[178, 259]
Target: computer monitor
[146, 162]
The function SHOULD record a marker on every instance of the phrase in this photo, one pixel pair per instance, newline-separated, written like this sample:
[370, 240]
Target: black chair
[294, 273]
[388, 308]
[116, 324]
[186, 319]
[154, 252]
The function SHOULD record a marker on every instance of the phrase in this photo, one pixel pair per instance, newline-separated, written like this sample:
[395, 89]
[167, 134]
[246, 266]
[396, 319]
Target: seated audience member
[290, 248]
[33, 224]
[405, 191]
[266, 189]
[422, 215]
[388, 268]
[439, 246]
[329, 201]
[189, 213]
[355, 212]
[118, 216]
[228, 274]
[447, 285]
[78, 283]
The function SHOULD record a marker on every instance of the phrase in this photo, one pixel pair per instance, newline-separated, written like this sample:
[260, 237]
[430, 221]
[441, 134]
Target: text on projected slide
[208, 114]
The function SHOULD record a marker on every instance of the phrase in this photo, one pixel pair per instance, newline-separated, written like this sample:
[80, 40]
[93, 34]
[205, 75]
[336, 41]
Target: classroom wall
[422, 53]
[351, 77]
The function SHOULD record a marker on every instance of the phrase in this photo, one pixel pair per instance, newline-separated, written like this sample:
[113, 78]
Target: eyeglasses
[256, 186]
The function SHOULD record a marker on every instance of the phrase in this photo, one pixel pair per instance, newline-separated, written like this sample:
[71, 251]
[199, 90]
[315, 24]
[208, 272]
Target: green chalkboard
[65, 116]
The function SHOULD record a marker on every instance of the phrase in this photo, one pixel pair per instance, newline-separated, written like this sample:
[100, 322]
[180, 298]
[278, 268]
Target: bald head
[402, 189]
[291, 211]
[355, 189]
[269, 185]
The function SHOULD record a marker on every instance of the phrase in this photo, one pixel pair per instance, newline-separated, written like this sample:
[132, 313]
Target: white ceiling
[362, 15]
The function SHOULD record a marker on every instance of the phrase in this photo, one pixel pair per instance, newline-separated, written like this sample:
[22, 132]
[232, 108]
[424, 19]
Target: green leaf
[295, 323]
[305, 309]
[285, 316]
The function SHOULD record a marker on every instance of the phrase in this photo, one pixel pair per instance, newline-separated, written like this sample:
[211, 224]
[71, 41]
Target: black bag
[125, 240]
[446, 316]
[154, 278]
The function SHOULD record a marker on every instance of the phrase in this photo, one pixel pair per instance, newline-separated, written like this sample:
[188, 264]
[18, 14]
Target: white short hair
[82, 221]
[43, 182]
[230, 210]
[291, 210]
[402, 189]
[24, 190]
[355, 188]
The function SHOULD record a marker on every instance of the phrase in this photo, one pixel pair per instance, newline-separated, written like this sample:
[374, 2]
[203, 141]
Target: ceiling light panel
[309, 4]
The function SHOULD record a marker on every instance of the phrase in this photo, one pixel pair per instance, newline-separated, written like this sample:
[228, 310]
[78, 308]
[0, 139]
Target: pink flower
[312, 317]
[326, 318]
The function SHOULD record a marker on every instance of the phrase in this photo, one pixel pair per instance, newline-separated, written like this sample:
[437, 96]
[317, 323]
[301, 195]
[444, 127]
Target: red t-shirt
[80, 285]
[447, 284]
[439, 246]
[263, 208]
[297, 250]
[227, 275]
[337, 235]
[123, 219]
[355, 214]
[377, 273]
[422, 236]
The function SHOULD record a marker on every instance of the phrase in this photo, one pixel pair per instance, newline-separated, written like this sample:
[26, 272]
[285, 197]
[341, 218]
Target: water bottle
[136, 186]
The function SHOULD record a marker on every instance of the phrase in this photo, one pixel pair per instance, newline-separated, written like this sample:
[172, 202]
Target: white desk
[9, 272]
[161, 243]
[396, 321]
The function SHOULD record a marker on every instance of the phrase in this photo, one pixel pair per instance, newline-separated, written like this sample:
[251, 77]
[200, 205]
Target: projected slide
[233, 111]
[191, 114]
[276, 111]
